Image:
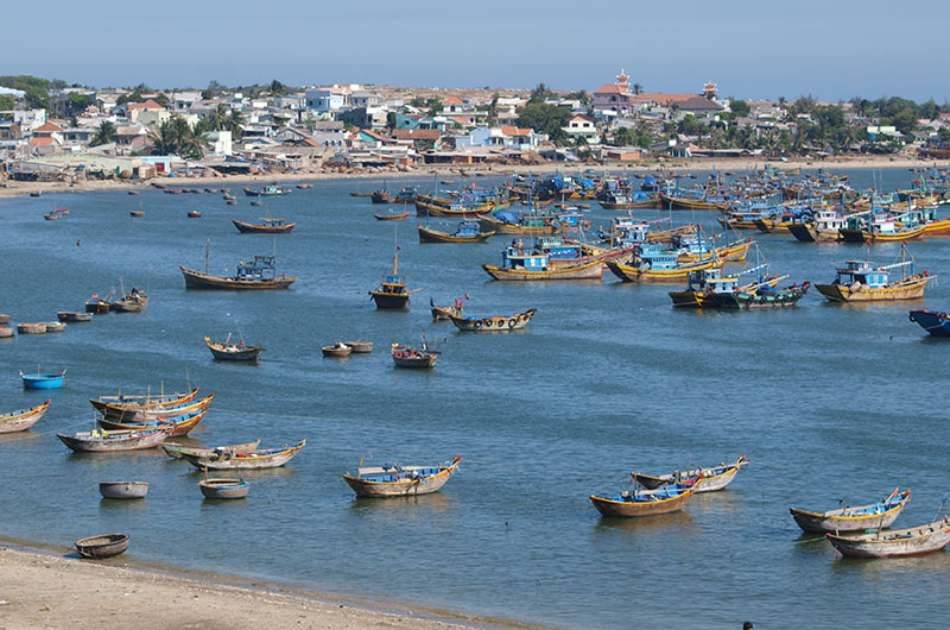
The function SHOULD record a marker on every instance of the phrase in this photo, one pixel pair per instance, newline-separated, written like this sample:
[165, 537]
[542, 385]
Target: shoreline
[48, 586]
[17, 189]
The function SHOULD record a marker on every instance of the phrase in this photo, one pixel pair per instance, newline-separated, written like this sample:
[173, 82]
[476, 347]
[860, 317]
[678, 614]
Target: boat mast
[207, 253]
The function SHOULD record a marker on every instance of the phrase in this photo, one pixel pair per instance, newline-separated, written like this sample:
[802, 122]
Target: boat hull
[825, 522]
[250, 461]
[937, 324]
[365, 488]
[23, 420]
[224, 489]
[910, 289]
[593, 270]
[428, 235]
[123, 489]
[390, 301]
[258, 228]
[494, 324]
[631, 273]
[635, 509]
[897, 543]
[204, 281]
[145, 440]
[102, 546]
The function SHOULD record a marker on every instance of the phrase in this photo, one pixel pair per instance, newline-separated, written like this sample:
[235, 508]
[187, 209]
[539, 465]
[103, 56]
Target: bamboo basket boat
[102, 546]
[224, 489]
[123, 489]
[853, 518]
[401, 481]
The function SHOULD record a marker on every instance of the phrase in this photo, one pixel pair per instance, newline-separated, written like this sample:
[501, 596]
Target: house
[131, 137]
[455, 105]
[78, 136]
[134, 110]
[623, 154]
[582, 126]
[364, 117]
[326, 100]
[504, 136]
[153, 118]
[184, 101]
[421, 139]
[362, 98]
[219, 142]
[883, 133]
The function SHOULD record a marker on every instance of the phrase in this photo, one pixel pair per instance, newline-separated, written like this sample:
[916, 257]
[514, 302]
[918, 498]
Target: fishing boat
[935, 323]
[136, 301]
[711, 479]
[270, 190]
[257, 274]
[409, 357]
[137, 413]
[391, 294]
[357, 193]
[456, 210]
[232, 351]
[339, 350]
[674, 202]
[391, 216]
[765, 296]
[625, 200]
[654, 263]
[258, 459]
[862, 281]
[391, 480]
[525, 225]
[102, 546]
[854, 518]
[694, 250]
[43, 380]
[494, 324]
[6, 332]
[96, 305]
[5, 319]
[137, 214]
[56, 215]
[637, 503]
[825, 227]
[895, 543]
[445, 313]
[360, 346]
[134, 402]
[174, 426]
[99, 441]
[31, 328]
[468, 231]
[178, 451]
[24, 419]
[519, 265]
[194, 214]
[267, 225]
[123, 489]
[380, 197]
[224, 489]
[73, 317]
[55, 327]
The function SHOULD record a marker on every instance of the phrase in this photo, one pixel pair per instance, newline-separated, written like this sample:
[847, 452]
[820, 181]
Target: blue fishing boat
[43, 380]
[936, 323]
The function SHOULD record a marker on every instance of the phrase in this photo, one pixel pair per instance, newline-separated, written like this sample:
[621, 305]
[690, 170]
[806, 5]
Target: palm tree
[233, 123]
[105, 134]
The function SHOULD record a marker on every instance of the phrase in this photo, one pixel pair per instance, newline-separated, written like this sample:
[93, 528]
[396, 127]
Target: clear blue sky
[829, 48]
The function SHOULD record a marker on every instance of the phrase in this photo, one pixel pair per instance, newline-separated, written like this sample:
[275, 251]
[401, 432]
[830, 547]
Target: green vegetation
[37, 89]
[739, 107]
[175, 136]
[223, 118]
[105, 134]
[7, 102]
[545, 118]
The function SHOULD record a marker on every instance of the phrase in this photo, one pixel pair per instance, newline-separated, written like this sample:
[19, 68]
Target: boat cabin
[515, 259]
[698, 280]
[257, 269]
[393, 284]
[862, 271]
[654, 256]
[829, 221]
[468, 229]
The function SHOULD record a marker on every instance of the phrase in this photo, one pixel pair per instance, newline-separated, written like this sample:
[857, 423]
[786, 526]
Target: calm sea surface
[828, 402]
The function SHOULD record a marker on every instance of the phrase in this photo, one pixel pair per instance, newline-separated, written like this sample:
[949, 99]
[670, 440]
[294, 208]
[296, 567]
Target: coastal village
[51, 132]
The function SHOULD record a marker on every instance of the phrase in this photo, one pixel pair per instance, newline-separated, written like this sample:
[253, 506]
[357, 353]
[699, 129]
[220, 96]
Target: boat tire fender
[512, 323]
[478, 324]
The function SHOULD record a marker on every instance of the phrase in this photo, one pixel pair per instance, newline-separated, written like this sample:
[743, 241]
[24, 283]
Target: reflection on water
[436, 502]
[679, 523]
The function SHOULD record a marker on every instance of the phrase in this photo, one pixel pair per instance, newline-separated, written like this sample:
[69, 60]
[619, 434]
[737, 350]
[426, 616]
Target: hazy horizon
[832, 51]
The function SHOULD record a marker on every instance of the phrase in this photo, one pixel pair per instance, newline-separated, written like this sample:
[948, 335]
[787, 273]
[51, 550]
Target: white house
[504, 136]
[326, 100]
[582, 126]
[183, 101]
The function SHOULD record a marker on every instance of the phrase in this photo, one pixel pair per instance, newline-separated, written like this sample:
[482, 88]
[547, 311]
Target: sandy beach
[50, 590]
[10, 188]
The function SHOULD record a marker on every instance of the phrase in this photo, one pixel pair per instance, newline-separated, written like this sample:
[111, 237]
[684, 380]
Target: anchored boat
[935, 323]
[637, 503]
[401, 481]
[895, 543]
[22, 420]
[494, 324]
[257, 459]
[468, 231]
[230, 351]
[862, 281]
[267, 225]
[391, 294]
[856, 518]
[260, 273]
[711, 479]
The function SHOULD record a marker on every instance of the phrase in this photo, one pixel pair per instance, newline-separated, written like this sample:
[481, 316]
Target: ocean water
[829, 402]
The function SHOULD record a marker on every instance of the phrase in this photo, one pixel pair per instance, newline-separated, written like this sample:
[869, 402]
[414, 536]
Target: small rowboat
[6, 332]
[224, 488]
[228, 351]
[711, 479]
[102, 546]
[123, 489]
[137, 402]
[178, 451]
[494, 324]
[21, 420]
[400, 481]
[360, 346]
[43, 380]
[73, 317]
[138, 214]
[258, 459]
[391, 216]
[176, 426]
[853, 519]
[935, 323]
[55, 327]
[33, 328]
[194, 214]
[113, 441]
[895, 543]
[339, 350]
[669, 498]
[129, 413]
[418, 358]
[268, 225]
[4, 318]
[97, 305]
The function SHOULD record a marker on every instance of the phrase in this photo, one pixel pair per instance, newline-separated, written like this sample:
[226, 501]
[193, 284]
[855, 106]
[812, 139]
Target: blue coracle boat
[937, 324]
[43, 380]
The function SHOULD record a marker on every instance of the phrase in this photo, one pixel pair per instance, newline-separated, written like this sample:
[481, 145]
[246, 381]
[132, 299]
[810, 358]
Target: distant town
[54, 132]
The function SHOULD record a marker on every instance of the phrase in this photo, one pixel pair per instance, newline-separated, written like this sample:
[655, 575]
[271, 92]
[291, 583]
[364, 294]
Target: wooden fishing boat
[361, 194]
[391, 216]
[935, 323]
[656, 266]
[257, 459]
[360, 346]
[267, 225]
[270, 190]
[663, 500]
[228, 351]
[194, 214]
[57, 214]
[339, 350]
[6, 332]
[627, 201]
[304, 186]
[519, 265]
[494, 324]
[258, 274]
[145, 412]
[178, 451]
[124, 402]
[467, 232]
[22, 420]
[455, 210]
[138, 214]
[691, 203]
[711, 479]
[401, 481]
[174, 426]
[136, 301]
[73, 317]
[895, 543]
[55, 327]
[409, 357]
[854, 518]
[529, 225]
[826, 227]
[736, 251]
[860, 281]
[391, 294]
[31, 328]
[43, 380]
[102, 546]
[98, 441]
[445, 313]
[786, 297]
[123, 489]
[380, 197]
[5, 319]
[97, 305]
[224, 489]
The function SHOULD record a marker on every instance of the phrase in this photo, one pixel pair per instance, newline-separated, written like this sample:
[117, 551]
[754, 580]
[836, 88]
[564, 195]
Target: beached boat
[102, 546]
[257, 274]
[655, 264]
[123, 489]
[861, 281]
[468, 231]
[669, 498]
[856, 518]
[178, 451]
[230, 351]
[935, 323]
[99, 441]
[339, 350]
[494, 324]
[43, 380]
[136, 301]
[895, 543]
[519, 265]
[22, 420]
[401, 481]
[409, 357]
[31, 328]
[125, 402]
[267, 225]
[711, 479]
[360, 346]
[258, 459]
[391, 294]
[174, 426]
[391, 216]
[224, 489]
[73, 317]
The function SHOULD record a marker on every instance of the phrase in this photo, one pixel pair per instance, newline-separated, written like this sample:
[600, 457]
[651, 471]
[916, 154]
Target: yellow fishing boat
[654, 265]
[860, 281]
[736, 251]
